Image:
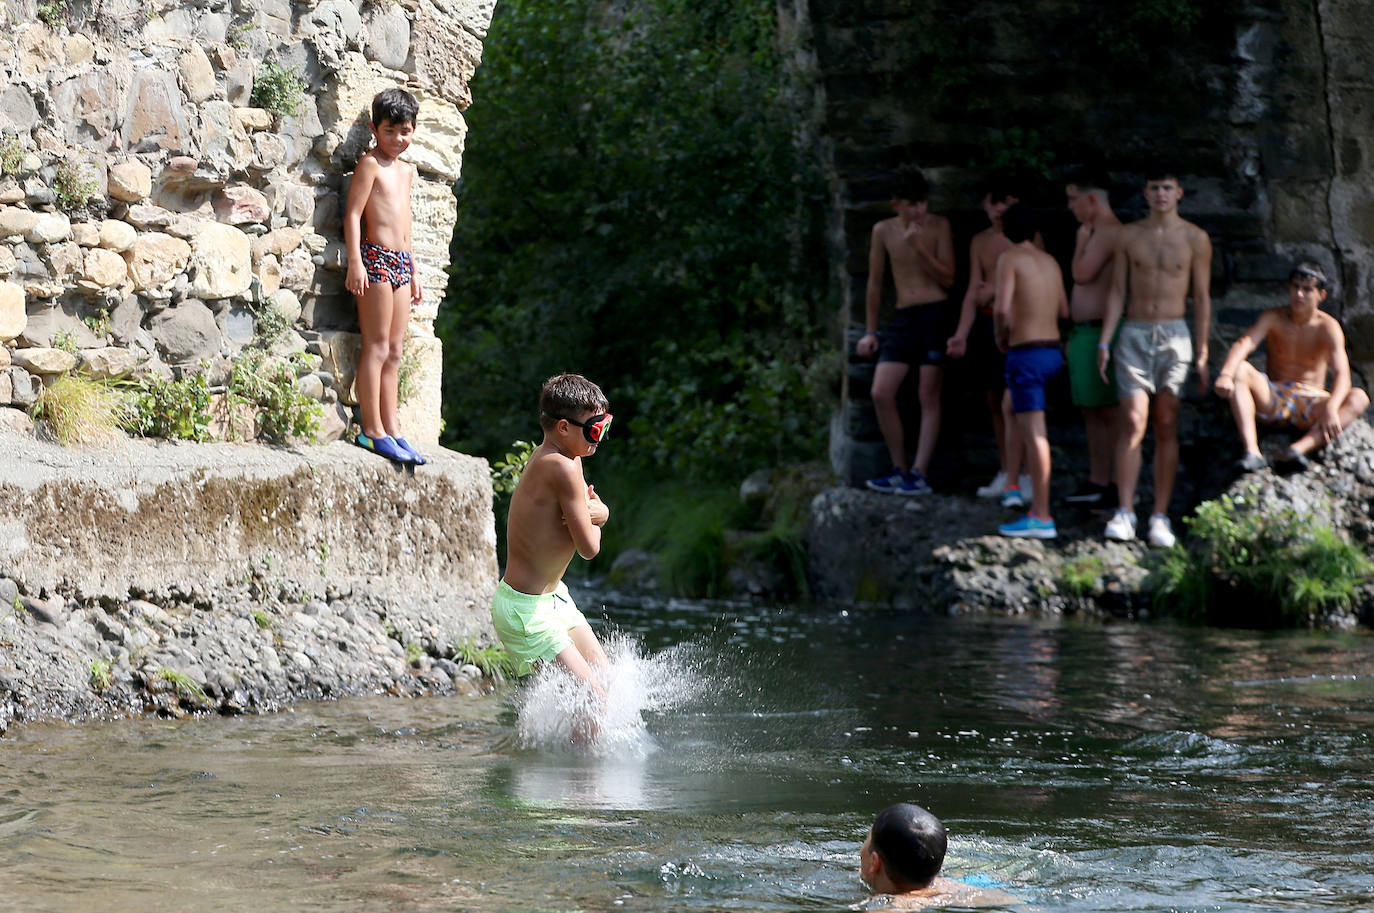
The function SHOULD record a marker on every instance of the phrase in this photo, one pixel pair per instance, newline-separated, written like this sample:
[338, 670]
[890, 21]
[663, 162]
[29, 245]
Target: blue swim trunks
[1030, 367]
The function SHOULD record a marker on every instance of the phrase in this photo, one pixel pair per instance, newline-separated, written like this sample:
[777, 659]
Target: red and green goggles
[594, 429]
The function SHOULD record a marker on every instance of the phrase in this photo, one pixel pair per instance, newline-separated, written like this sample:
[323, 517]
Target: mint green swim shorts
[534, 627]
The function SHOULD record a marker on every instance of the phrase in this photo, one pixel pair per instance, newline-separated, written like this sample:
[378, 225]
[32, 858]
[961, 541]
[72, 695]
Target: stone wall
[1264, 104]
[207, 209]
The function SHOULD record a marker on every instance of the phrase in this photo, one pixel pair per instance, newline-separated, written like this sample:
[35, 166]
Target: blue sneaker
[913, 483]
[1029, 527]
[887, 483]
[415, 456]
[383, 446]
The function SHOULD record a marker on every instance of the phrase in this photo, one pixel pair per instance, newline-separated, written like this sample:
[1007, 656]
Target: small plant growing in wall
[71, 188]
[11, 155]
[408, 377]
[52, 12]
[100, 674]
[98, 323]
[236, 36]
[279, 89]
[284, 412]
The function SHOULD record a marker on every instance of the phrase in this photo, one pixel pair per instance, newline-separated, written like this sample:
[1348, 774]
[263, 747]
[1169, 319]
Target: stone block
[23, 388]
[439, 144]
[49, 228]
[155, 259]
[186, 333]
[18, 113]
[443, 54]
[44, 361]
[116, 235]
[197, 76]
[221, 266]
[155, 117]
[16, 421]
[105, 268]
[388, 35]
[238, 204]
[16, 221]
[130, 181]
[109, 363]
[13, 311]
[87, 234]
[5, 387]
[339, 353]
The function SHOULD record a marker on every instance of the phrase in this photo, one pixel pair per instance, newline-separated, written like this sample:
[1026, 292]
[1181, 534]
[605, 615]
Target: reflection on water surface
[1085, 767]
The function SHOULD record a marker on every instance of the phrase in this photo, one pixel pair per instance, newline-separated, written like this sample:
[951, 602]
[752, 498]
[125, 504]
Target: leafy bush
[101, 674]
[1079, 577]
[11, 155]
[284, 412]
[79, 410]
[270, 327]
[71, 188]
[1250, 567]
[279, 89]
[173, 409]
[636, 206]
[52, 12]
[505, 474]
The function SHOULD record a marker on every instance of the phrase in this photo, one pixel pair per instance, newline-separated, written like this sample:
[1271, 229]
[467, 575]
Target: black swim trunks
[916, 335]
[984, 362]
[393, 267]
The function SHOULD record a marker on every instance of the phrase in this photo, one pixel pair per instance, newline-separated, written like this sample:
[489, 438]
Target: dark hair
[911, 186]
[1018, 223]
[1001, 186]
[395, 105]
[568, 396]
[912, 843]
[1161, 170]
[1309, 269]
[1088, 179]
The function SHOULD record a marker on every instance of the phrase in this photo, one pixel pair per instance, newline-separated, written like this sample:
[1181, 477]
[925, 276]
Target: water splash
[554, 708]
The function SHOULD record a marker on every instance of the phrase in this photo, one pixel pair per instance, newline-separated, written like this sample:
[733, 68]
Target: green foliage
[66, 341]
[505, 473]
[236, 36]
[270, 327]
[79, 410]
[278, 89]
[284, 413]
[635, 205]
[408, 377]
[98, 323]
[11, 155]
[101, 676]
[1137, 26]
[413, 652]
[71, 188]
[52, 12]
[262, 619]
[185, 686]
[173, 409]
[1255, 566]
[493, 660]
[1078, 578]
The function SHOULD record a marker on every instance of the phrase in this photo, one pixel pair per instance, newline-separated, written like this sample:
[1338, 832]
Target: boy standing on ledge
[554, 514]
[381, 270]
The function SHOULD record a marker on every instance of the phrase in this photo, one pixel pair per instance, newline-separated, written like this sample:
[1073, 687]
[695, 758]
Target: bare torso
[386, 214]
[914, 282]
[1300, 352]
[1159, 260]
[1088, 300]
[943, 892]
[1030, 293]
[538, 544]
[984, 250]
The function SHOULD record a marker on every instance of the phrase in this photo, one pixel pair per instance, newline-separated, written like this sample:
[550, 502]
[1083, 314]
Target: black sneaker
[1250, 462]
[1089, 494]
[1290, 461]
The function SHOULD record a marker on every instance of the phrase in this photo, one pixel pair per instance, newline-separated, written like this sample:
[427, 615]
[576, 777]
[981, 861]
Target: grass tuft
[79, 411]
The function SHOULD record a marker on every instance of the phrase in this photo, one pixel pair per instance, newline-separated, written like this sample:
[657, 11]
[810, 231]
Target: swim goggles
[594, 429]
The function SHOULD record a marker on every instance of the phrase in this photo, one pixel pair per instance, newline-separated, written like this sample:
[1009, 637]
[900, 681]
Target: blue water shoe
[383, 446]
[415, 456]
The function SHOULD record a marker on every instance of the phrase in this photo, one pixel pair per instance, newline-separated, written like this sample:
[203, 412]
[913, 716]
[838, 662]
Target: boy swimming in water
[902, 856]
[554, 514]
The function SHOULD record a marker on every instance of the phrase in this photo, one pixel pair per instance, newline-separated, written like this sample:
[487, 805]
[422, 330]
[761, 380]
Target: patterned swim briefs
[393, 267]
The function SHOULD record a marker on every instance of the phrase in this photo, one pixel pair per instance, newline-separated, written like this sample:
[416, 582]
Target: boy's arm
[573, 497]
[1090, 258]
[941, 261]
[958, 343]
[1329, 413]
[1116, 303]
[1001, 313]
[1239, 351]
[1202, 304]
[417, 292]
[873, 295]
[359, 192]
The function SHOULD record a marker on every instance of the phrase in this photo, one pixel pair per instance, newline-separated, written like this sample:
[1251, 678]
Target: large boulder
[155, 259]
[221, 262]
[13, 312]
[186, 333]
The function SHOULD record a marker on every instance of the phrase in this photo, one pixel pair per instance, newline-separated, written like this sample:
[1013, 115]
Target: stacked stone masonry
[205, 210]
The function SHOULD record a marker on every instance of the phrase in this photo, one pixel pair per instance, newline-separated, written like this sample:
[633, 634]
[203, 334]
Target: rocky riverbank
[153, 577]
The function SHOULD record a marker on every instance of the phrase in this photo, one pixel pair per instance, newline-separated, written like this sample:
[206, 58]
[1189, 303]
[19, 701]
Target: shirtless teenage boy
[901, 859]
[1160, 259]
[1030, 301]
[918, 245]
[1092, 280]
[1302, 342]
[974, 340]
[381, 271]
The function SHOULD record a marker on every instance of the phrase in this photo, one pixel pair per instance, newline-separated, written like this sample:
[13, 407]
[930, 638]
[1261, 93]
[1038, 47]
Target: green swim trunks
[1085, 384]
[534, 627]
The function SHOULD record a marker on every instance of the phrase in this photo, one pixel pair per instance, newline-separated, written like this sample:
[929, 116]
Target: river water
[1081, 766]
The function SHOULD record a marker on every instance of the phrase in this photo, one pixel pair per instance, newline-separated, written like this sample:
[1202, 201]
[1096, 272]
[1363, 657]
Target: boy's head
[1307, 286]
[1018, 223]
[1086, 190]
[911, 186]
[910, 845]
[394, 106]
[573, 399]
[1163, 189]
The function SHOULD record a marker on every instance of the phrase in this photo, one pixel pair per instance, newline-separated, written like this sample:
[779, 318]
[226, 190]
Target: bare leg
[1133, 414]
[1356, 402]
[1015, 446]
[1251, 395]
[391, 367]
[1166, 448]
[999, 427]
[585, 659]
[374, 320]
[1031, 428]
[887, 380]
[1098, 425]
[932, 379]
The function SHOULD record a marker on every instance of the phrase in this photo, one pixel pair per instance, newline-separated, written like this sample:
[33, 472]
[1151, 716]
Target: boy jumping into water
[1302, 342]
[381, 270]
[554, 514]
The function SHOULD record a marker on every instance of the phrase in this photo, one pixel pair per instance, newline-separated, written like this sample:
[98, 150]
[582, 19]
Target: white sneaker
[994, 488]
[1121, 526]
[1161, 534]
